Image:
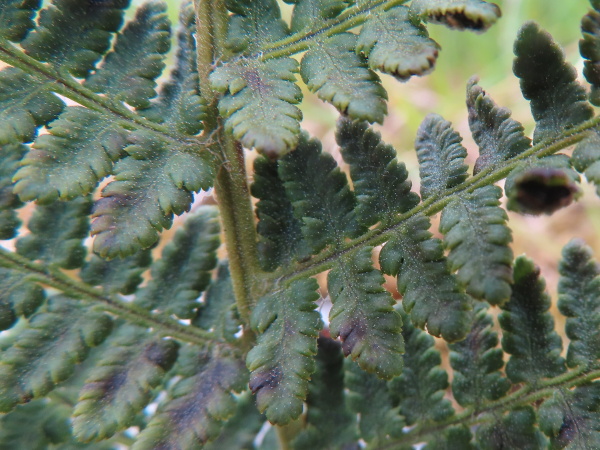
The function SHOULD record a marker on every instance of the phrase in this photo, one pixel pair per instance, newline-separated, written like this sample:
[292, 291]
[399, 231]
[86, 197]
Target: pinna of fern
[81, 362]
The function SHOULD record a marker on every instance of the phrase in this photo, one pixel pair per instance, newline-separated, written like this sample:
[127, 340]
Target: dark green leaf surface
[151, 185]
[129, 70]
[121, 384]
[10, 157]
[579, 301]
[283, 360]
[312, 13]
[589, 47]
[16, 18]
[73, 35]
[381, 183]
[586, 159]
[195, 407]
[557, 100]
[254, 24]
[452, 438]
[47, 350]
[430, 293]
[397, 44]
[498, 136]
[320, 195]
[72, 158]
[475, 15]
[571, 418]
[121, 275]
[184, 269]
[57, 232]
[441, 156]
[329, 424]
[25, 104]
[419, 391]
[477, 362]
[478, 239]
[517, 429]
[339, 76]
[533, 355]
[19, 297]
[363, 315]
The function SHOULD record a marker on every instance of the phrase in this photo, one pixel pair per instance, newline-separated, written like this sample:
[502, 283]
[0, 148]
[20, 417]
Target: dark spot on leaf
[269, 380]
[544, 190]
[161, 354]
[351, 334]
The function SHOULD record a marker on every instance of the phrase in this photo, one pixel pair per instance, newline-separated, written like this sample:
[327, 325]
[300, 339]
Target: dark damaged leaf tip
[473, 15]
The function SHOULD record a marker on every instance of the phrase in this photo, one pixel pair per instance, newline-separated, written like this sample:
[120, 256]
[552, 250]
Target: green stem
[76, 289]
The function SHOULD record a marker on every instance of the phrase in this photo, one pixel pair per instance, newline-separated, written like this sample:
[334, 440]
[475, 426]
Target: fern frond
[254, 24]
[478, 239]
[320, 195]
[129, 70]
[122, 275]
[477, 362]
[195, 406]
[589, 47]
[329, 423]
[120, 385]
[25, 104]
[309, 13]
[475, 15]
[441, 156]
[10, 157]
[72, 158]
[451, 438]
[381, 183]
[19, 297]
[57, 233]
[579, 301]
[557, 100]
[333, 71]
[183, 271]
[586, 159]
[397, 44]
[16, 18]
[498, 136]
[430, 293]
[517, 429]
[282, 361]
[363, 317]
[533, 355]
[571, 418]
[93, 24]
[153, 183]
[47, 350]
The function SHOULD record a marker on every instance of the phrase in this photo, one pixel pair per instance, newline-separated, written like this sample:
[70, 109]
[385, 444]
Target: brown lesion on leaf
[254, 80]
[544, 191]
[461, 18]
[351, 334]
[267, 380]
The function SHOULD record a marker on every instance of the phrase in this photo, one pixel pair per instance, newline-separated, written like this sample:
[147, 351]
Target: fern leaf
[533, 355]
[129, 70]
[579, 301]
[121, 275]
[320, 195]
[571, 418]
[419, 390]
[517, 429]
[477, 362]
[57, 233]
[217, 313]
[92, 22]
[25, 104]
[10, 157]
[589, 47]
[475, 15]
[339, 76]
[120, 385]
[195, 407]
[380, 182]
[557, 100]
[363, 317]
[542, 186]
[452, 438]
[19, 297]
[183, 271]
[16, 18]
[478, 239]
[441, 156]
[586, 159]
[153, 183]
[397, 44]
[498, 136]
[179, 104]
[369, 397]
[254, 24]
[329, 423]
[280, 233]
[46, 352]
[282, 361]
[72, 158]
[430, 293]
[310, 13]
[259, 103]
